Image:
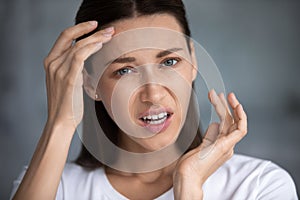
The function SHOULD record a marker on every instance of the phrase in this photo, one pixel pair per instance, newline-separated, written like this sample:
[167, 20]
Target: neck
[163, 174]
[128, 144]
[148, 185]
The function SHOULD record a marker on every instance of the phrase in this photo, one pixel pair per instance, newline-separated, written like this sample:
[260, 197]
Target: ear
[89, 86]
[194, 60]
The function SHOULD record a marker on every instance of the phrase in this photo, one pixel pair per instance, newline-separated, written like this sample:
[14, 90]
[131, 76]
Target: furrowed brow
[124, 60]
[132, 59]
[167, 52]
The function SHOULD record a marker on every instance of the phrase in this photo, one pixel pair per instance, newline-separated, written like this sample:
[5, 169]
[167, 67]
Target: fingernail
[93, 23]
[109, 29]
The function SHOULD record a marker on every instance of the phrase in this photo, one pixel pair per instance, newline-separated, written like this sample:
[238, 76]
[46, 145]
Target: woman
[198, 174]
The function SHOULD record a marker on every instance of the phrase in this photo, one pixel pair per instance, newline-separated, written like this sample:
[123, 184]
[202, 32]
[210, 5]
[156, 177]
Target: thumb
[211, 134]
[209, 139]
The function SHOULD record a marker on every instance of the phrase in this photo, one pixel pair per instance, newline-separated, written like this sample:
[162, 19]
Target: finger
[209, 139]
[225, 117]
[242, 124]
[233, 101]
[75, 61]
[217, 153]
[216, 102]
[102, 35]
[80, 56]
[66, 38]
[241, 130]
[228, 118]
[211, 134]
[223, 100]
[76, 54]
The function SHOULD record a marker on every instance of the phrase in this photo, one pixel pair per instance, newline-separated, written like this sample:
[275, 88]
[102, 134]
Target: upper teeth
[155, 117]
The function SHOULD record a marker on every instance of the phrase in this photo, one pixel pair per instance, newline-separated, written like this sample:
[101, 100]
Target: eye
[123, 71]
[170, 62]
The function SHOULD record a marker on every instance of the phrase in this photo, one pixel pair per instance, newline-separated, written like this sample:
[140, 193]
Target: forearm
[187, 189]
[44, 172]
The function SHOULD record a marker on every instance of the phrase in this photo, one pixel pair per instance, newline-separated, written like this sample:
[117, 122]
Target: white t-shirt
[240, 178]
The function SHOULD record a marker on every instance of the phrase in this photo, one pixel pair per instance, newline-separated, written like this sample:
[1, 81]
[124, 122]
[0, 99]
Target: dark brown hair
[109, 11]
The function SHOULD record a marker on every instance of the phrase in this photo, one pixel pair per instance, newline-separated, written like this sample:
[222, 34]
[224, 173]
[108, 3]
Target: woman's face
[158, 105]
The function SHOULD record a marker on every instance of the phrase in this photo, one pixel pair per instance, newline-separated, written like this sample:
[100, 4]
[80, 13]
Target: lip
[156, 128]
[155, 112]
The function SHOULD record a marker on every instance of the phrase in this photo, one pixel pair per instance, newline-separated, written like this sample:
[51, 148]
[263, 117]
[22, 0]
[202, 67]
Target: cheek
[105, 89]
[116, 97]
[186, 71]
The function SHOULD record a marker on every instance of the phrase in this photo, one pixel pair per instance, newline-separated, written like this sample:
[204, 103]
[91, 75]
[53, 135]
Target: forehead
[144, 42]
[165, 21]
[140, 35]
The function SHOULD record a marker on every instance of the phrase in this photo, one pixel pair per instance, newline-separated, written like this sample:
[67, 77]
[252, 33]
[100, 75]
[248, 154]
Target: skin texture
[63, 67]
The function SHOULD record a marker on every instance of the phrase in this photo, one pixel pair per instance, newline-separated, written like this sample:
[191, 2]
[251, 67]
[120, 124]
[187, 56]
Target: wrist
[59, 127]
[187, 188]
[195, 179]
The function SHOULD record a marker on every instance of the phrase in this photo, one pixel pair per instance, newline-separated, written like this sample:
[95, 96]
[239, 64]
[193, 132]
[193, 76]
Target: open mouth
[156, 119]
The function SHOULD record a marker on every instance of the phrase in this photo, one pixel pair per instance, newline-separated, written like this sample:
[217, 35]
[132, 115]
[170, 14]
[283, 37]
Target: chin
[158, 142]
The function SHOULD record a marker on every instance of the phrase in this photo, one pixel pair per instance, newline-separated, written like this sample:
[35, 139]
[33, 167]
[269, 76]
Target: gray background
[254, 43]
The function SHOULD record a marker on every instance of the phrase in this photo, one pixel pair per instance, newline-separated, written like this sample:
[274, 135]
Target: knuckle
[78, 57]
[70, 81]
[46, 62]
[76, 47]
[52, 66]
[66, 33]
[221, 146]
[60, 74]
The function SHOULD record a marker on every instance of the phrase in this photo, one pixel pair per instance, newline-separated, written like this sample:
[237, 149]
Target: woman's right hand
[64, 65]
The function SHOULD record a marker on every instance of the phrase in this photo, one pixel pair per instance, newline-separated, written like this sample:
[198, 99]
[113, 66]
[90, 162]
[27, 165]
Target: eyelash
[176, 59]
[118, 72]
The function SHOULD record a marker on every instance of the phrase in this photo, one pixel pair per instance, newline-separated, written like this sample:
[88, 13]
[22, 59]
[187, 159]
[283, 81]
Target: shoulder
[264, 169]
[74, 173]
[254, 178]
[74, 169]
[78, 182]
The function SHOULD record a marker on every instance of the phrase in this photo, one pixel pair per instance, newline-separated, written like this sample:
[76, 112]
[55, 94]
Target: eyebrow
[159, 55]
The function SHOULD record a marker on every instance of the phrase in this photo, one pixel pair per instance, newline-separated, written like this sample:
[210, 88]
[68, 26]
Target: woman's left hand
[193, 168]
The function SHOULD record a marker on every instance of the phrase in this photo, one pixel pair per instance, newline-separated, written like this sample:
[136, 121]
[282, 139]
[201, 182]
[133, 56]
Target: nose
[153, 93]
